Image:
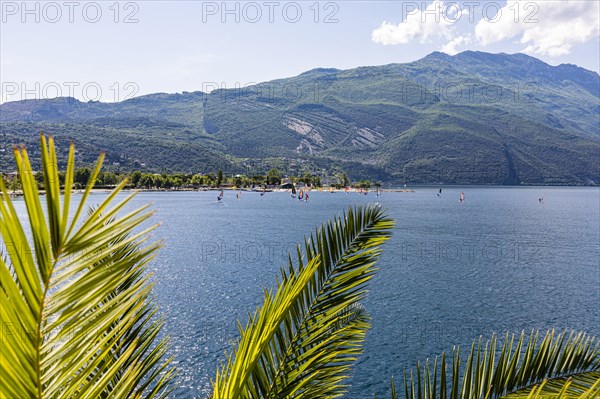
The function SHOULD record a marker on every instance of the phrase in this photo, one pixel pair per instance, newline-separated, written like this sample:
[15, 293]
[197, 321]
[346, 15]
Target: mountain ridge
[439, 119]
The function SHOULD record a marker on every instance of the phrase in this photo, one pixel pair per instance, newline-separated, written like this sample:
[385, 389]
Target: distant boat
[220, 197]
[462, 197]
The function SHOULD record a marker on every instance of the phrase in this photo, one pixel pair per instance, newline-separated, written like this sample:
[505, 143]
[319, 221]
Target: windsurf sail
[220, 197]
[293, 194]
[301, 195]
[439, 194]
[306, 197]
[462, 197]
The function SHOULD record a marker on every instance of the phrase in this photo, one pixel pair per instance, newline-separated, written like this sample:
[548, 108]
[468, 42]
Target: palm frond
[579, 386]
[565, 365]
[77, 295]
[303, 340]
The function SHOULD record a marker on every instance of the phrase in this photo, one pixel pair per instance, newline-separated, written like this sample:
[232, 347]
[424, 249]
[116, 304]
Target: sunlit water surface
[498, 262]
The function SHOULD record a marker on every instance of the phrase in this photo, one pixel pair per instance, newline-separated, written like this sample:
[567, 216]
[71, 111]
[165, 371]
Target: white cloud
[451, 47]
[546, 28]
[436, 21]
[422, 25]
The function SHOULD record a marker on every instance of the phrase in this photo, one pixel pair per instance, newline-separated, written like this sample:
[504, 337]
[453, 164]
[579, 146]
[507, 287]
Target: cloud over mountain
[548, 28]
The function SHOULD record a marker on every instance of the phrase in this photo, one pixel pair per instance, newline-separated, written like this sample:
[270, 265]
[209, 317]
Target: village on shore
[272, 181]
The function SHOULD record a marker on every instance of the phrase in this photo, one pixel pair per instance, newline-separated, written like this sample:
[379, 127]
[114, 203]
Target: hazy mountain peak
[320, 71]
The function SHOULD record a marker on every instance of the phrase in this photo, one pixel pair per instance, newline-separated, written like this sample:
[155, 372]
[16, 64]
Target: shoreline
[19, 193]
[411, 189]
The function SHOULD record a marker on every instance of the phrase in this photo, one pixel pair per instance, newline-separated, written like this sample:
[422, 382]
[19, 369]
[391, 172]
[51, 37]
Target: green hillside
[471, 118]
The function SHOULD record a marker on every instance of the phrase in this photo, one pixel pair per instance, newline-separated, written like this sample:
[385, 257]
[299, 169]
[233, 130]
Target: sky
[112, 51]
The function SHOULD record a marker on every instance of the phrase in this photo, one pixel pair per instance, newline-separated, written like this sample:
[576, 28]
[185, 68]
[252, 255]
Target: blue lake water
[499, 262]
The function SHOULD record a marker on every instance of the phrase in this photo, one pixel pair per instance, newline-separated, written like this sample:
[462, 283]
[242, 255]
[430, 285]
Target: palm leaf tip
[303, 340]
[565, 365]
[80, 287]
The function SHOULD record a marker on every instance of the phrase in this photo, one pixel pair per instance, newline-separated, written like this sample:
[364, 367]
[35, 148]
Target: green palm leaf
[580, 386]
[559, 366]
[303, 340]
[75, 297]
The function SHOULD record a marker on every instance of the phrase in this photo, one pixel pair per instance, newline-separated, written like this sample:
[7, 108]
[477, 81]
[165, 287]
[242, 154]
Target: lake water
[499, 262]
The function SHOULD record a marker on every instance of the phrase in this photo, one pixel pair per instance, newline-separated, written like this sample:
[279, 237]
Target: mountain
[470, 118]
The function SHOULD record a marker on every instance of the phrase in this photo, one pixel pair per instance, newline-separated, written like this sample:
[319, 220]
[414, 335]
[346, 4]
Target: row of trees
[170, 181]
